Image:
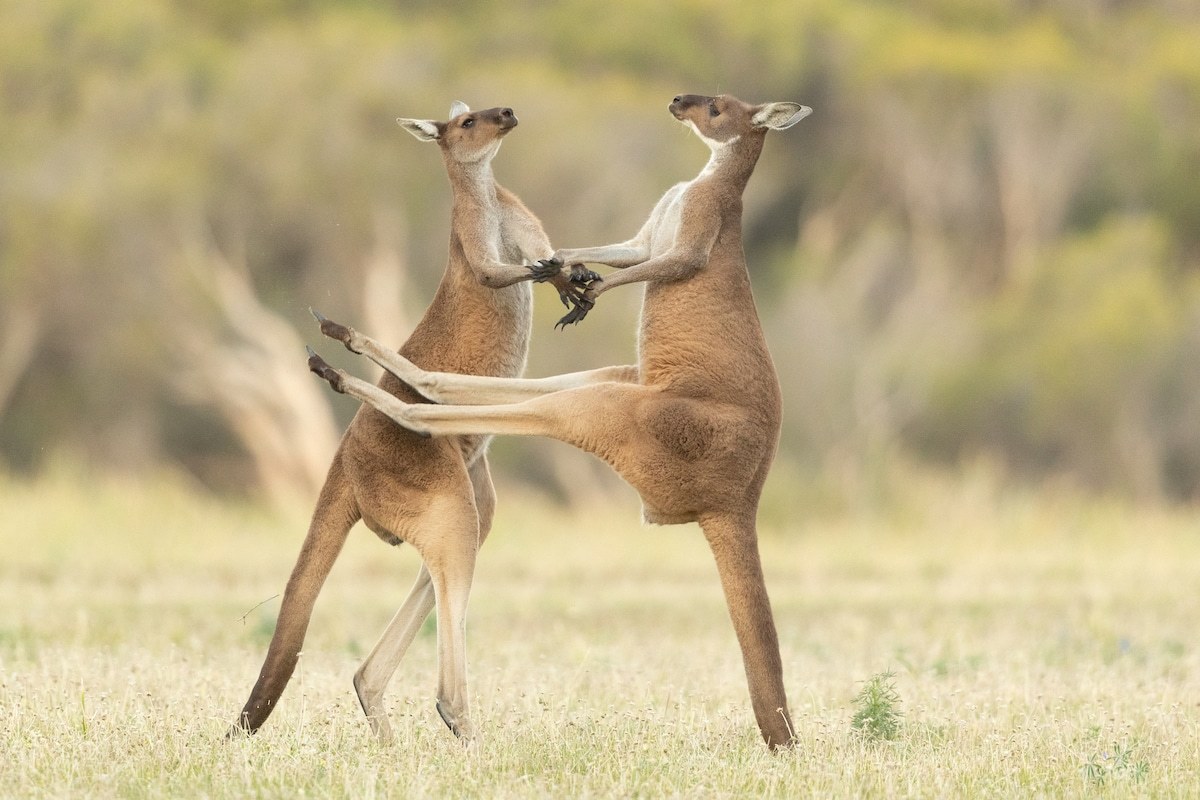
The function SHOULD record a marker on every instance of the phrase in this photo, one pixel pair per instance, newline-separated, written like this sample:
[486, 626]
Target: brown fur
[434, 493]
[694, 426]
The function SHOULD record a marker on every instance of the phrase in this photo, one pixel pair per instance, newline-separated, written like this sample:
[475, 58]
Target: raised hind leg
[376, 671]
[455, 388]
[596, 418]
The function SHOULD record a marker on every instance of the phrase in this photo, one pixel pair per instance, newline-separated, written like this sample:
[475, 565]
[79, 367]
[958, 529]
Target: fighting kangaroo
[434, 493]
[693, 427]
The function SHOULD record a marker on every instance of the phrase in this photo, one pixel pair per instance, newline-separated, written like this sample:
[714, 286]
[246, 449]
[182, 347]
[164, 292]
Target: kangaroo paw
[544, 269]
[582, 306]
[581, 276]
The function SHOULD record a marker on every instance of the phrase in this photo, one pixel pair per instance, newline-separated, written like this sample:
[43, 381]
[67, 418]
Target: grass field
[1040, 646]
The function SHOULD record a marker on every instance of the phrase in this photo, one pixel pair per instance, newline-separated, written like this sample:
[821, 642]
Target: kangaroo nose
[506, 112]
[676, 100]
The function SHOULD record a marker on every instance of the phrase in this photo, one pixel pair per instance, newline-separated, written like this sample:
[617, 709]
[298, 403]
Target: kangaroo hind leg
[449, 549]
[372, 678]
[450, 387]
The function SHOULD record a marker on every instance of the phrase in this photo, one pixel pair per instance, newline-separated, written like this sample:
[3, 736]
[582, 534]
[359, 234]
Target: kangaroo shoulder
[511, 204]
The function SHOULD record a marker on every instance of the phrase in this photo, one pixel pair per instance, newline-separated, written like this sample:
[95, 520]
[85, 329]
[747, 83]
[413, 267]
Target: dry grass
[1041, 647]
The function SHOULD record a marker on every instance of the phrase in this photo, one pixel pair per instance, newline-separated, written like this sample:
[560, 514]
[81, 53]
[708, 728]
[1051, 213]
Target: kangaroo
[436, 494]
[693, 426]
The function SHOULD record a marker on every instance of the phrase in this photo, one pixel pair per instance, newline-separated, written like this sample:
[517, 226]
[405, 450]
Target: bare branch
[19, 335]
[247, 365]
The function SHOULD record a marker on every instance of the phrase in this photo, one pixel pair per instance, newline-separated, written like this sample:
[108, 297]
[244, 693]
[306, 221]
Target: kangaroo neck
[472, 181]
[732, 163]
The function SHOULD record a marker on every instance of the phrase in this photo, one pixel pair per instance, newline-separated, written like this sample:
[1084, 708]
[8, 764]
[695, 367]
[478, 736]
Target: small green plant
[83, 718]
[878, 714]
[1118, 761]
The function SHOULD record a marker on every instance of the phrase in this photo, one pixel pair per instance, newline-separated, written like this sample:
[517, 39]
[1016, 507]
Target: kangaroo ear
[456, 108]
[778, 116]
[424, 129]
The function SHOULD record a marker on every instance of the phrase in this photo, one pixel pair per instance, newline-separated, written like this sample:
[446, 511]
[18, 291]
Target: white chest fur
[668, 215]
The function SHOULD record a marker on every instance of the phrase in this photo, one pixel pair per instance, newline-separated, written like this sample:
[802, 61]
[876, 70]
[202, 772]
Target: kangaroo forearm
[619, 256]
[665, 268]
[496, 275]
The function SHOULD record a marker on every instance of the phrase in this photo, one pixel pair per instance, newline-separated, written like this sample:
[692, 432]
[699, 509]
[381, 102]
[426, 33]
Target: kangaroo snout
[683, 102]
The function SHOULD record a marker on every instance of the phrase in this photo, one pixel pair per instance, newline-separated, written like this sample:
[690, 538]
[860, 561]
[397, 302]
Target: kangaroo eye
[468, 122]
[712, 110]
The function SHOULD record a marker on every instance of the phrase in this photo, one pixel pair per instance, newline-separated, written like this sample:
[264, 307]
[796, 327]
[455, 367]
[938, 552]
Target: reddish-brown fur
[693, 427]
[434, 493]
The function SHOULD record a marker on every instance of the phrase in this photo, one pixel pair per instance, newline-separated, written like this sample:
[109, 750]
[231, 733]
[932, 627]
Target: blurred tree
[1067, 368]
[986, 239]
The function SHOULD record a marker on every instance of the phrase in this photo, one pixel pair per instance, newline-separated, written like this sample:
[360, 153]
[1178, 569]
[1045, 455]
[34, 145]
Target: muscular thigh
[699, 457]
[399, 477]
[684, 456]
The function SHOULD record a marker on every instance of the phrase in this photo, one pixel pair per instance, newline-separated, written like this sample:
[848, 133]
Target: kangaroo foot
[372, 706]
[336, 331]
[460, 728]
[319, 367]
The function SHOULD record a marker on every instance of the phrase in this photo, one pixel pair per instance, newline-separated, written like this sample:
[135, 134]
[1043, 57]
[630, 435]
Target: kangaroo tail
[734, 543]
[335, 514]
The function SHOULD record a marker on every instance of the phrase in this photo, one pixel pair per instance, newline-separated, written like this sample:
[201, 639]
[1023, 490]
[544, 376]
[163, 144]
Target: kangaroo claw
[544, 269]
[582, 276]
[319, 367]
[335, 331]
[583, 305]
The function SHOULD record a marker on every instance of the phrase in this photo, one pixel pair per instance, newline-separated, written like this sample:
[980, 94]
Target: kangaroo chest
[668, 217]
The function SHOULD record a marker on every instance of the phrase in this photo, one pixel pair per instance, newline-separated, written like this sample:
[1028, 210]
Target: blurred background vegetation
[983, 247]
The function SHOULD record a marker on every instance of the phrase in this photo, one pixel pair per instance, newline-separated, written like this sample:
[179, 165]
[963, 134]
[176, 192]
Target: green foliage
[1065, 362]
[877, 716]
[1120, 761]
[947, 253]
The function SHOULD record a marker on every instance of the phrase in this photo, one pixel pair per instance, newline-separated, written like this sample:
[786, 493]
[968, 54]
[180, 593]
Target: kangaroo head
[724, 119]
[468, 136]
